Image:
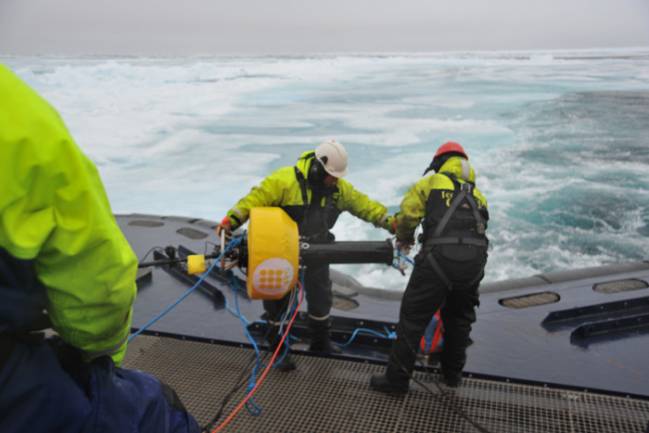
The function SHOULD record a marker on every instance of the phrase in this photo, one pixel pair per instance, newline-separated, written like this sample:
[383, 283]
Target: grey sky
[175, 27]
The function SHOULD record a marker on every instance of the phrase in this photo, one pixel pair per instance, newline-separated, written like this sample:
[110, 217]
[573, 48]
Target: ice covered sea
[560, 140]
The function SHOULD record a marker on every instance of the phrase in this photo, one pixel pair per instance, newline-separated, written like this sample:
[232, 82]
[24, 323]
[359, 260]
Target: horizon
[594, 50]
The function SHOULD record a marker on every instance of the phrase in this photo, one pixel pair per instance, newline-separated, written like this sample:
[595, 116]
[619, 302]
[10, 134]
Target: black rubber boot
[282, 363]
[381, 383]
[320, 340]
[286, 363]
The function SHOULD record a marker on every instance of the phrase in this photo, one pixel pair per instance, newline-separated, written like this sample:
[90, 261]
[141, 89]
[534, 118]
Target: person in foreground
[448, 268]
[313, 194]
[65, 264]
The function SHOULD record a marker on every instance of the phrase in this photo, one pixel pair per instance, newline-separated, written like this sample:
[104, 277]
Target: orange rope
[266, 370]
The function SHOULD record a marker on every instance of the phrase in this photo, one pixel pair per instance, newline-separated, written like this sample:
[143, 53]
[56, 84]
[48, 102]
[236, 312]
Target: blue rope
[234, 242]
[398, 258]
[252, 407]
[405, 257]
[389, 335]
[283, 355]
[287, 341]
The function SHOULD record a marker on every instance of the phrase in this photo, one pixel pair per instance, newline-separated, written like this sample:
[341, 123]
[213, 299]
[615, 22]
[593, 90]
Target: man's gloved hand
[226, 225]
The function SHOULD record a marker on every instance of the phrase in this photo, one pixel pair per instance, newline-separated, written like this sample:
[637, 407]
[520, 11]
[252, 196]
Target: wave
[559, 143]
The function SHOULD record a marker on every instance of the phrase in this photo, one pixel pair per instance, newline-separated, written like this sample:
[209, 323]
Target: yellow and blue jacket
[60, 247]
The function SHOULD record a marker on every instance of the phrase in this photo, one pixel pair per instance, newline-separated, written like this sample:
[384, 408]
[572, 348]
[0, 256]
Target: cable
[234, 284]
[389, 335]
[266, 370]
[287, 313]
[405, 257]
[438, 395]
[398, 262]
[253, 385]
[149, 252]
[239, 383]
[234, 242]
[249, 403]
[455, 408]
[289, 307]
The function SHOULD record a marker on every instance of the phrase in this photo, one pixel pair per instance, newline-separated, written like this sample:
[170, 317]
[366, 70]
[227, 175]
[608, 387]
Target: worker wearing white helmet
[333, 157]
[314, 194]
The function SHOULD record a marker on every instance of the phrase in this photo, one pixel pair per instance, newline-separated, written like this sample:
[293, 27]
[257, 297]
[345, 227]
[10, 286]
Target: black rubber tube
[347, 252]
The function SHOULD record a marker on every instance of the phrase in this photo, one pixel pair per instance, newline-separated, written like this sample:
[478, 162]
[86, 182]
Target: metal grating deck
[332, 396]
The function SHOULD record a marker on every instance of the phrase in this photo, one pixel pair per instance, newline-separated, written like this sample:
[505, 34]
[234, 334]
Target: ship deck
[332, 395]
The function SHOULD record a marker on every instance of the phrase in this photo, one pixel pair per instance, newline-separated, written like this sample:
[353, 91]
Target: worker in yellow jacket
[314, 194]
[448, 268]
[65, 264]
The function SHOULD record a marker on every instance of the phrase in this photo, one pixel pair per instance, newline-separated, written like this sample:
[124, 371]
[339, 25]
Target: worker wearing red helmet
[448, 268]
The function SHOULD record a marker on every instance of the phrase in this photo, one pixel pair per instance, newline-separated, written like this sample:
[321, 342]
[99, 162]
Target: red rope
[266, 370]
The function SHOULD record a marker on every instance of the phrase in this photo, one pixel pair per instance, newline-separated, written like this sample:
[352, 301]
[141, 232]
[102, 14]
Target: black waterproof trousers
[425, 294]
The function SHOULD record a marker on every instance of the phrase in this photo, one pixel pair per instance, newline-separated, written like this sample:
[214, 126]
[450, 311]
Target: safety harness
[465, 195]
[304, 223]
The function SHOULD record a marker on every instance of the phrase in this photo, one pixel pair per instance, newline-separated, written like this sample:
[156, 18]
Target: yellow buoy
[273, 253]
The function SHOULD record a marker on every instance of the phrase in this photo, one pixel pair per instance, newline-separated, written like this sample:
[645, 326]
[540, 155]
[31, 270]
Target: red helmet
[450, 146]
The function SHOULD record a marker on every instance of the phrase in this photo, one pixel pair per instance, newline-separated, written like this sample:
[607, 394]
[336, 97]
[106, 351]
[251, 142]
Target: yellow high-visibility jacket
[282, 188]
[56, 223]
[413, 205]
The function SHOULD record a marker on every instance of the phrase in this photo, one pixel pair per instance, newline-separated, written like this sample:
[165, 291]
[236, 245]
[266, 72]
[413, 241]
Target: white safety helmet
[333, 157]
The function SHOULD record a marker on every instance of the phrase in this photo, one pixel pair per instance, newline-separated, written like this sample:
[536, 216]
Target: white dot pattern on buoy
[273, 276]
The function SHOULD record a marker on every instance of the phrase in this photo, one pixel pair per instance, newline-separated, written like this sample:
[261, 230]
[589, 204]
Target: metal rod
[348, 252]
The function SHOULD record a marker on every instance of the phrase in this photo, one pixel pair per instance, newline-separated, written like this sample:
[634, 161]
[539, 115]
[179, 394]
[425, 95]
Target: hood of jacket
[460, 167]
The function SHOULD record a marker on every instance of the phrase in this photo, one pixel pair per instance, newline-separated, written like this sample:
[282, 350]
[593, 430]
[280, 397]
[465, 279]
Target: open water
[560, 140]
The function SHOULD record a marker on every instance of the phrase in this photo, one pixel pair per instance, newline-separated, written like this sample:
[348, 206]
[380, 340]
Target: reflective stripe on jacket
[56, 221]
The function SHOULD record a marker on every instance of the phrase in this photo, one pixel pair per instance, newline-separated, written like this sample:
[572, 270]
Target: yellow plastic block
[196, 264]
